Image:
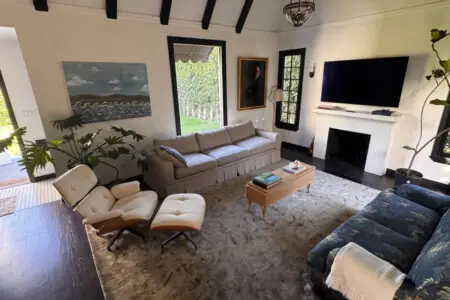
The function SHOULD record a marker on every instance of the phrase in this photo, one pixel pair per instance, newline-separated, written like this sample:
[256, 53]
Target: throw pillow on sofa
[171, 154]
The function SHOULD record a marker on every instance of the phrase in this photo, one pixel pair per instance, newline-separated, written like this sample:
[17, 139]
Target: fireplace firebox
[346, 153]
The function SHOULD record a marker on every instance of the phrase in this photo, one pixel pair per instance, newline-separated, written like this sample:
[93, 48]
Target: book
[294, 171]
[266, 186]
[266, 179]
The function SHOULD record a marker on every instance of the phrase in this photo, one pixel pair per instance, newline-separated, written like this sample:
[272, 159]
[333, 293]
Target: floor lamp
[276, 95]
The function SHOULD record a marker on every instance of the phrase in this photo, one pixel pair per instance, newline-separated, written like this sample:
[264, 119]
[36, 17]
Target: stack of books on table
[296, 170]
[266, 180]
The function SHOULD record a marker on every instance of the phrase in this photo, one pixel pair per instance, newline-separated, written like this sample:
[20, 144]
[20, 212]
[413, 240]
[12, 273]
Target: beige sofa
[212, 157]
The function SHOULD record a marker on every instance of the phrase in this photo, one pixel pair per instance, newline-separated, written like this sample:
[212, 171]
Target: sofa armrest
[103, 217]
[424, 197]
[162, 169]
[273, 136]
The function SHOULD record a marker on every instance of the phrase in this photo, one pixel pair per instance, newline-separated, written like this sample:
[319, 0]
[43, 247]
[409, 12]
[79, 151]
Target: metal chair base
[113, 239]
[175, 236]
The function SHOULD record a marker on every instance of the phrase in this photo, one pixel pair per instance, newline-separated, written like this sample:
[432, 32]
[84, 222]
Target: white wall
[15, 75]
[400, 34]
[67, 34]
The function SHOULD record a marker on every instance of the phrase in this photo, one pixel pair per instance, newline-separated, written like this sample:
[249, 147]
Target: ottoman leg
[189, 239]
[175, 236]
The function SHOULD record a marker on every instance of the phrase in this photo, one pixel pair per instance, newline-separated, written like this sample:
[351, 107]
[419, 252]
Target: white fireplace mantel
[380, 129]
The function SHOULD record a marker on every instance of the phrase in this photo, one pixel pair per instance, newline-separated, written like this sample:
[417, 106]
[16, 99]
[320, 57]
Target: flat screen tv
[376, 82]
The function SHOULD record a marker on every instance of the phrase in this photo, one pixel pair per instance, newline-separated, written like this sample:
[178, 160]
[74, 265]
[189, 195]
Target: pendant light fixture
[299, 11]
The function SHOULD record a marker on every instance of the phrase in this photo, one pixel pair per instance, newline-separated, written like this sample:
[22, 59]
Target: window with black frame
[290, 80]
[441, 148]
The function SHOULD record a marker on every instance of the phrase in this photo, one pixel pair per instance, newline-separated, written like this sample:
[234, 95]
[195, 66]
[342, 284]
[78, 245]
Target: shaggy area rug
[7, 206]
[240, 255]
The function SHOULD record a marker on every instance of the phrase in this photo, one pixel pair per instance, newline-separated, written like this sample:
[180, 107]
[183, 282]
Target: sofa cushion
[241, 131]
[98, 201]
[383, 242]
[433, 200]
[184, 144]
[213, 138]
[432, 266]
[256, 144]
[227, 154]
[403, 216]
[197, 162]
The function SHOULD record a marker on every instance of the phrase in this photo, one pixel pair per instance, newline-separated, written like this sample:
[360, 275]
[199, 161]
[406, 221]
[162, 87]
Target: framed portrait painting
[252, 82]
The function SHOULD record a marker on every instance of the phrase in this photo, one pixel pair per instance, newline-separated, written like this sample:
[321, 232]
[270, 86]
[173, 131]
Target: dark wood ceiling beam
[243, 16]
[40, 5]
[165, 12]
[111, 9]
[207, 15]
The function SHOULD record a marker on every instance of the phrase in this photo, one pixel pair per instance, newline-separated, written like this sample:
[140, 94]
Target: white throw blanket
[360, 275]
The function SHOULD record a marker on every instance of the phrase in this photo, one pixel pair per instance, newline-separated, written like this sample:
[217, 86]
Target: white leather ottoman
[181, 213]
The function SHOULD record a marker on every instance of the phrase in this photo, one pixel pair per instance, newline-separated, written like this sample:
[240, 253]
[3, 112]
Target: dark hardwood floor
[371, 180]
[45, 254]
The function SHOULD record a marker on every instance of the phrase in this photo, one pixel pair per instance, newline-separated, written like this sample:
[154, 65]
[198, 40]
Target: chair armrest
[126, 189]
[424, 197]
[162, 169]
[273, 136]
[103, 217]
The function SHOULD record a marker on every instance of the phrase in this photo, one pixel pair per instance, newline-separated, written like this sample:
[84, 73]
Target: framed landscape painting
[252, 82]
[107, 91]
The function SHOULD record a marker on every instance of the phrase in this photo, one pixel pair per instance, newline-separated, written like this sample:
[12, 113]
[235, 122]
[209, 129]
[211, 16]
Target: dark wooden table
[45, 254]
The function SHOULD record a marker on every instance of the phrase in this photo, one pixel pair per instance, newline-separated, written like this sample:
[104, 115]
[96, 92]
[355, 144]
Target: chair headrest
[75, 184]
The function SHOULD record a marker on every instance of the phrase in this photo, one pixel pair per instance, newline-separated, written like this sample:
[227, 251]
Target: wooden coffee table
[290, 183]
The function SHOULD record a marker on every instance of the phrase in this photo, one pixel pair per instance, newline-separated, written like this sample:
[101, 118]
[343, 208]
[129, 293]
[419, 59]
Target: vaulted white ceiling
[264, 15]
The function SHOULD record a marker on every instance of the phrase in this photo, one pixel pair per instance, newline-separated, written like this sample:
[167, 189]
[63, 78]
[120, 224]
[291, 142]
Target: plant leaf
[439, 102]
[73, 122]
[93, 161]
[409, 148]
[437, 35]
[7, 142]
[34, 157]
[55, 143]
[428, 77]
[446, 65]
[114, 140]
[123, 150]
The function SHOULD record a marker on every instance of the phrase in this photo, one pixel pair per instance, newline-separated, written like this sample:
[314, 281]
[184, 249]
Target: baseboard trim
[43, 177]
[427, 183]
[294, 146]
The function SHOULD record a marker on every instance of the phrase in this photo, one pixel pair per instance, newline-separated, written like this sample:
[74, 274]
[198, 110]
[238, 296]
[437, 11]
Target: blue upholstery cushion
[431, 270]
[383, 242]
[424, 197]
[403, 216]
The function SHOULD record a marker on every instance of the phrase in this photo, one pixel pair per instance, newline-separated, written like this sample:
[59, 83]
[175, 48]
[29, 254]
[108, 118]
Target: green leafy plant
[8, 141]
[91, 149]
[440, 76]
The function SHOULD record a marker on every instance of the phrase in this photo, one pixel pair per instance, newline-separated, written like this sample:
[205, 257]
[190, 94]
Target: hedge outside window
[290, 80]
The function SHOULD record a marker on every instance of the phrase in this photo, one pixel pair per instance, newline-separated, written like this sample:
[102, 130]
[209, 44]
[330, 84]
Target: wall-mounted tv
[376, 82]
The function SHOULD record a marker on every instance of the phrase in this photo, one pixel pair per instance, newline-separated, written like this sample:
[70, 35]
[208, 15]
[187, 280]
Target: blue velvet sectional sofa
[408, 227]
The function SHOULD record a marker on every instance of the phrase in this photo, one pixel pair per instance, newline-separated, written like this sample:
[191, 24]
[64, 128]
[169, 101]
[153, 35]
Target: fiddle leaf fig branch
[440, 76]
[91, 149]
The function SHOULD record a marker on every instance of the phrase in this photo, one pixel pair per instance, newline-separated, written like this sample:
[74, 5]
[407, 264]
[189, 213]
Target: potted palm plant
[91, 149]
[440, 76]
